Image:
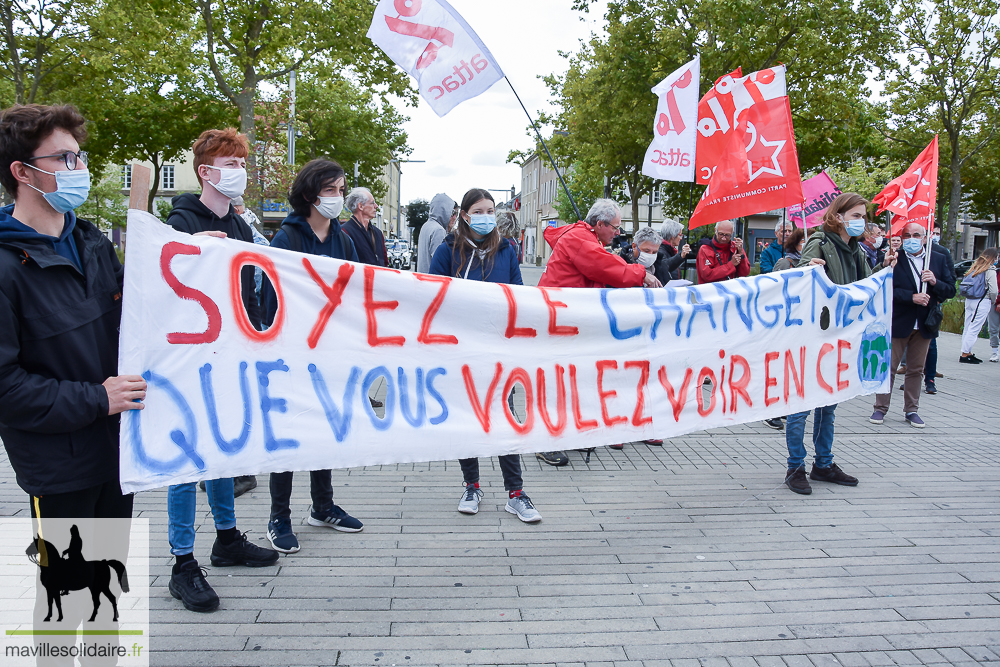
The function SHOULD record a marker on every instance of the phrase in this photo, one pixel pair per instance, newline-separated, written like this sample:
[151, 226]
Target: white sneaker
[469, 504]
[522, 507]
[996, 356]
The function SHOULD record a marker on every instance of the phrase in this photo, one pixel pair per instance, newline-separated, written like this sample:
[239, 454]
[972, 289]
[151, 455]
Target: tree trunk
[950, 229]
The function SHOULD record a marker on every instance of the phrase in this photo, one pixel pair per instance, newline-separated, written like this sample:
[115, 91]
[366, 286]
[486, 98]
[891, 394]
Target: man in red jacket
[724, 257]
[580, 260]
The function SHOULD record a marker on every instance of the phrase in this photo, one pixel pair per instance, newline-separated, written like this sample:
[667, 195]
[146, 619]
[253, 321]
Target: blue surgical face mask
[483, 223]
[856, 227]
[72, 189]
[913, 246]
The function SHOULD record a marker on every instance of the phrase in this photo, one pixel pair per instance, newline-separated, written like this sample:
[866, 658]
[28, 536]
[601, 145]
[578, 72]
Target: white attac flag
[670, 157]
[434, 45]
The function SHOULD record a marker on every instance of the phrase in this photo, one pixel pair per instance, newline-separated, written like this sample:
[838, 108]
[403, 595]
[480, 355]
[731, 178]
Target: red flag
[912, 196]
[715, 118]
[759, 170]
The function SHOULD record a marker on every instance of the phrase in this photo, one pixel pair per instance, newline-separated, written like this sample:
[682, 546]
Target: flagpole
[558, 175]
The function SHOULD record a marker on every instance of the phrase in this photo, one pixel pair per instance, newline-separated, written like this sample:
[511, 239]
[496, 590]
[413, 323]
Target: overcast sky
[468, 147]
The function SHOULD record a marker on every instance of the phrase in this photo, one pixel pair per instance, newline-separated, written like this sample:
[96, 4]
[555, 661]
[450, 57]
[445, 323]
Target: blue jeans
[795, 430]
[181, 501]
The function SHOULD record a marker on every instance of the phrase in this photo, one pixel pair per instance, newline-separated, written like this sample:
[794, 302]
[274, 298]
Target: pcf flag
[670, 157]
[434, 44]
[911, 197]
[818, 193]
[759, 170]
[720, 109]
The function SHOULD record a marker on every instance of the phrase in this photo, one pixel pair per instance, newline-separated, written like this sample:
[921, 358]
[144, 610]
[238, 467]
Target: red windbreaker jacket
[579, 260]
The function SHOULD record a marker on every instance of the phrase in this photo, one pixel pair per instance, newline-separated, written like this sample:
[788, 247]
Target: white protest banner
[670, 156]
[598, 366]
[431, 42]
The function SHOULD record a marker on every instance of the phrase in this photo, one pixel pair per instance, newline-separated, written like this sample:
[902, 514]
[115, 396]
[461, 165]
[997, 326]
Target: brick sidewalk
[685, 554]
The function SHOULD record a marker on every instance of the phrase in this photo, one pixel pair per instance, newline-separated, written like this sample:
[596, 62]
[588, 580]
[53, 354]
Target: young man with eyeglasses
[60, 309]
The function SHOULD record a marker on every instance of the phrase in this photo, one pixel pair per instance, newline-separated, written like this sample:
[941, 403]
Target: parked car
[961, 268]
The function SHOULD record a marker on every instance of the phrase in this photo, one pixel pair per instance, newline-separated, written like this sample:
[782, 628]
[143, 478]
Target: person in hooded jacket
[477, 251]
[220, 165]
[440, 217]
[60, 309]
[845, 262]
[317, 199]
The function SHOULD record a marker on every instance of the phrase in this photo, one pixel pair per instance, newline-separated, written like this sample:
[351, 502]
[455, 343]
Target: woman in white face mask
[645, 245]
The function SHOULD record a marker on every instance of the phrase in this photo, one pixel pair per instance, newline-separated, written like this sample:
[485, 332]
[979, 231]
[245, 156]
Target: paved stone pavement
[686, 554]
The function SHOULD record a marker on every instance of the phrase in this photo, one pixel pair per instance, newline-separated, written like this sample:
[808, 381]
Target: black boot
[188, 584]
[795, 479]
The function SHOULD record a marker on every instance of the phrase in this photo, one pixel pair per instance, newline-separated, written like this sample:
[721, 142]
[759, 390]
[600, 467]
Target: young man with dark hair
[313, 227]
[220, 164]
[60, 309]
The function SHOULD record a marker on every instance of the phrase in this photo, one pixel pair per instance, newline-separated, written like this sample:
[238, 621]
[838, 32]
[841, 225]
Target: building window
[656, 196]
[167, 177]
[127, 177]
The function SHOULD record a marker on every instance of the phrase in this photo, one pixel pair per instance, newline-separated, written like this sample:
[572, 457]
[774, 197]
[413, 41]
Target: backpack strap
[347, 243]
[294, 238]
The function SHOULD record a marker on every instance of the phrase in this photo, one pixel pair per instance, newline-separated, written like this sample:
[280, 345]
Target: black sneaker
[775, 423]
[971, 359]
[243, 484]
[795, 479]
[242, 552]
[553, 458]
[188, 584]
[833, 474]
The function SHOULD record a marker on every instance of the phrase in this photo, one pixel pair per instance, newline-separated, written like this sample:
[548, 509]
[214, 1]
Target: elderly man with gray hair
[775, 250]
[368, 239]
[579, 259]
[670, 255]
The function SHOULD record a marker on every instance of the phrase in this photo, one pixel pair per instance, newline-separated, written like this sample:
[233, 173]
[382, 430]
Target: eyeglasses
[69, 157]
[617, 228]
[723, 236]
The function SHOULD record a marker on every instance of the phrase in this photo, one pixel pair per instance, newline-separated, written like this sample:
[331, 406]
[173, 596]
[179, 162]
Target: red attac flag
[912, 196]
[759, 170]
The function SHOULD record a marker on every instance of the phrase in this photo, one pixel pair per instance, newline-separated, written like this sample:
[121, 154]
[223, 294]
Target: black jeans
[320, 486]
[104, 501]
[510, 466]
[930, 365]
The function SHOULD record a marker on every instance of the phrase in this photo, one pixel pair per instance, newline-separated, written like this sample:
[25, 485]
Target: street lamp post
[399, 179]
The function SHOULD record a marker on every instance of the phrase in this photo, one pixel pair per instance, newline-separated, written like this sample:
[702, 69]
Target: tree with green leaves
[249, 42]
[417, 212]
[948, 83]
[40, 37]
[106, 207]
[829, 48]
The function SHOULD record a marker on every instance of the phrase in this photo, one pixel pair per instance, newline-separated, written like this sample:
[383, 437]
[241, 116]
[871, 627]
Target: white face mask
[647, 258]
[330, 207]
[877, 243]
[232, 182]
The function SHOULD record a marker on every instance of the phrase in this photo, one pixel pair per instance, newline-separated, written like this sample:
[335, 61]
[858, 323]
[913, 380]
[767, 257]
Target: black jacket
[668, 263]
[368, 241]
[189, 215]
[58, 344]
[905, 313]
